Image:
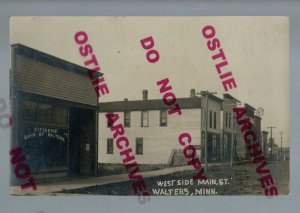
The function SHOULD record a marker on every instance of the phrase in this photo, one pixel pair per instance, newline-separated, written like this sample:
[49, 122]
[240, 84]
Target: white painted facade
[158, 141]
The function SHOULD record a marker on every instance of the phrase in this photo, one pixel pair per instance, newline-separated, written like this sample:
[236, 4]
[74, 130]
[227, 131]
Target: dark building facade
[54, 110]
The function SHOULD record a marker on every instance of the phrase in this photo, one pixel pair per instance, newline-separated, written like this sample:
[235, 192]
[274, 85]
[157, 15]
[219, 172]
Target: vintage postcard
[150, 106]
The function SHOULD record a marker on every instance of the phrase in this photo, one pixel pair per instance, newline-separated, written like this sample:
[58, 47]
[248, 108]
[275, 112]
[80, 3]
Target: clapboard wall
[46, 75]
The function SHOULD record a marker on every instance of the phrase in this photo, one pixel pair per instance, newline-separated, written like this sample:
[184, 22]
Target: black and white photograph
[149, 106]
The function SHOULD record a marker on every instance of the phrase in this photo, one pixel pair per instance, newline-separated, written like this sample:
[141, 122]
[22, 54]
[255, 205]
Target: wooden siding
[158, 142]
[42, 79]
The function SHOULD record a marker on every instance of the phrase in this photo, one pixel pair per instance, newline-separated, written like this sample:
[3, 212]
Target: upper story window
[229, 118]
[210, 119]
[109, 124]
[163, 118]
[215, 120]
[139, 146]
[126, 119]
[110, 146]
[145, 119]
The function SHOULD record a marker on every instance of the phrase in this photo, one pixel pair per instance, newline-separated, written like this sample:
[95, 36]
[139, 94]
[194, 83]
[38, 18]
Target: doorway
[82, 132]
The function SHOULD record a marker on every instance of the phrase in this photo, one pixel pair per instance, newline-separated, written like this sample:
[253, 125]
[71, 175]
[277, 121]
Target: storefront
[54, 114]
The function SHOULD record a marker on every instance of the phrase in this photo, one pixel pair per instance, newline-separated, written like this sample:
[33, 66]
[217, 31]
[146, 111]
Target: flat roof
[230, 97]
[144, 105]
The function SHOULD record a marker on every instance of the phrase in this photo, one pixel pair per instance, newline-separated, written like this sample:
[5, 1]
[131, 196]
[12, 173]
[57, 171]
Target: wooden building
[229, 128]
[154, 135]
[54, 109]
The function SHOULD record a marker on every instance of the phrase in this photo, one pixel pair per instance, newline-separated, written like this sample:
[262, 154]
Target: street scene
[177, 109]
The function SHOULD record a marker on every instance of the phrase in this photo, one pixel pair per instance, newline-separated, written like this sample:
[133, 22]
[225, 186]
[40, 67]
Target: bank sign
[46, 148]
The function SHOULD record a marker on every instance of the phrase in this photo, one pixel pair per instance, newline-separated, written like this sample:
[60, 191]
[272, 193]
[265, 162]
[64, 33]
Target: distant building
[257, 129]
[272, 150]
[241, 147]
[264, 139]
[285, 153]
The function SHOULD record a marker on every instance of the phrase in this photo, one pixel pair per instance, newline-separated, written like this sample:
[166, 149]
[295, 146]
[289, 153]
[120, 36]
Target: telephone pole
[271, 127]
[281, 144]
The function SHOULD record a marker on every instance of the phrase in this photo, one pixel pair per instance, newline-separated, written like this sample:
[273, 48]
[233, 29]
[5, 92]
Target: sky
[256, 48]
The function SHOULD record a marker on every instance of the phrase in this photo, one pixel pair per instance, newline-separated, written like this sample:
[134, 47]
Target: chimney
[193, 93]
[125, 99]
[145, 94]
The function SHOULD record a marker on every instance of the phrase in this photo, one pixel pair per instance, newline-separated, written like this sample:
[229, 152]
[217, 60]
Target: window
[110, 146]
[44, 113]
[215, 120]
[210, 119]
[60, 115]
[139, 146]
[145, 119]
[229, 123]
[214, 144]
[126, 119]
[109, 124]
[226, 119]
[163, 118]
[29, 111]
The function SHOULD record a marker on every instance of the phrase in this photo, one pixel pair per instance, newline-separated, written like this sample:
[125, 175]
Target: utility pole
[271, 127]
[232, 104]
[206, 125]
[281, 144]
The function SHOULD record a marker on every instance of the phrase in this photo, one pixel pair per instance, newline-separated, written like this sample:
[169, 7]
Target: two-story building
[153, 134]
[228, 128]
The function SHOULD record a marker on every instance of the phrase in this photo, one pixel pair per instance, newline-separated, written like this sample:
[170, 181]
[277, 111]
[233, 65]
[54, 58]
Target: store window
[44, 113]
[29, 111]
[60, 115]
[44, 130]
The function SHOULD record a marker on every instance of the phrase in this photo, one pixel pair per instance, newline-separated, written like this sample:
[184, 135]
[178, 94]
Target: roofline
[227, 95]
[212, 96]
[159, 105]
[51, 60]
[249, 106]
